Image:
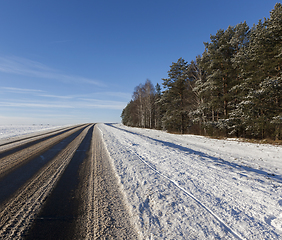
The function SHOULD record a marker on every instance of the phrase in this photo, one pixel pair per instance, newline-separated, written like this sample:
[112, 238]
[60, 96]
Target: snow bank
[193, 187]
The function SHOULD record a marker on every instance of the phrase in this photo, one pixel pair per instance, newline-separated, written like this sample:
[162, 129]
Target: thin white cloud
[56, 120]
[101, 95]
[33, 105]
[36, 92]
[26, 67]
[66, 104]
[21, 90]
[54, 96]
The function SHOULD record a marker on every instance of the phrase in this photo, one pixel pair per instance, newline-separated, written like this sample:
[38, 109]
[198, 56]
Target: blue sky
[77, 61]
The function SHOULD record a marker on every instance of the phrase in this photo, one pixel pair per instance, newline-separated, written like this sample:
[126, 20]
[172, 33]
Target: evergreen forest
[234, 89]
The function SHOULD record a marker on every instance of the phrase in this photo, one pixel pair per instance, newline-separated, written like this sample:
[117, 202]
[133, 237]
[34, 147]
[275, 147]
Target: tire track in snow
[234, 233]
[18, 215]
[27, 151]
[108, 216]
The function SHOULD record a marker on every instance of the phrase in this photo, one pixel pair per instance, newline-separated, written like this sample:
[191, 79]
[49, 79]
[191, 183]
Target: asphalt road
[61, 185]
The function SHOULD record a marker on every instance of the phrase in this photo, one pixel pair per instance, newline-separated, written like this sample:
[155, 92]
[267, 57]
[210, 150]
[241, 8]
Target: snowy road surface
[61, 184]
[193, 187]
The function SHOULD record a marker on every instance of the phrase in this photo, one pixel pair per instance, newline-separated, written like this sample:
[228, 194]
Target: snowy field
[193, 187]
[8, 131]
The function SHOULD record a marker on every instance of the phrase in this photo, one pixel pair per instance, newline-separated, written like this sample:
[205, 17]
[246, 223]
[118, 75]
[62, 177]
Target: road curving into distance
[61, 185]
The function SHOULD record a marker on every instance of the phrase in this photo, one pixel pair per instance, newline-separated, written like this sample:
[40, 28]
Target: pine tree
[240, 42]
[176, 97]
[260, 64]
[158, 107]
[198, 112]
[221, 75]
[235, 87]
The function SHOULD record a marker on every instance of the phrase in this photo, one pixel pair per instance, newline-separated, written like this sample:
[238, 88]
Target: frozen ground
[192, 187]
[8, 131]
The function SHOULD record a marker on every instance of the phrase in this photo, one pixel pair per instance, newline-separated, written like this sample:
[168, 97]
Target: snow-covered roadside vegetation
[193, 187]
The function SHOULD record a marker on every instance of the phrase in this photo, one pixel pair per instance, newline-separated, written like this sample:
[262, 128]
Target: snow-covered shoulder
[193, 187]
[8, 131]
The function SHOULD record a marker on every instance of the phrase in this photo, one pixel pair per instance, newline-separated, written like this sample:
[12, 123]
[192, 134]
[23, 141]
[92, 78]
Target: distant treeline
[233, 89]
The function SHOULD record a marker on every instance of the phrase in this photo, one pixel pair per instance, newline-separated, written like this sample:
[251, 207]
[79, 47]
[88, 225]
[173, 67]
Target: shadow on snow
[204, 155]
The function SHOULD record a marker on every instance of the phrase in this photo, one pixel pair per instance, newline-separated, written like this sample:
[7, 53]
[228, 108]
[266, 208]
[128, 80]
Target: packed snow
[194, 187]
